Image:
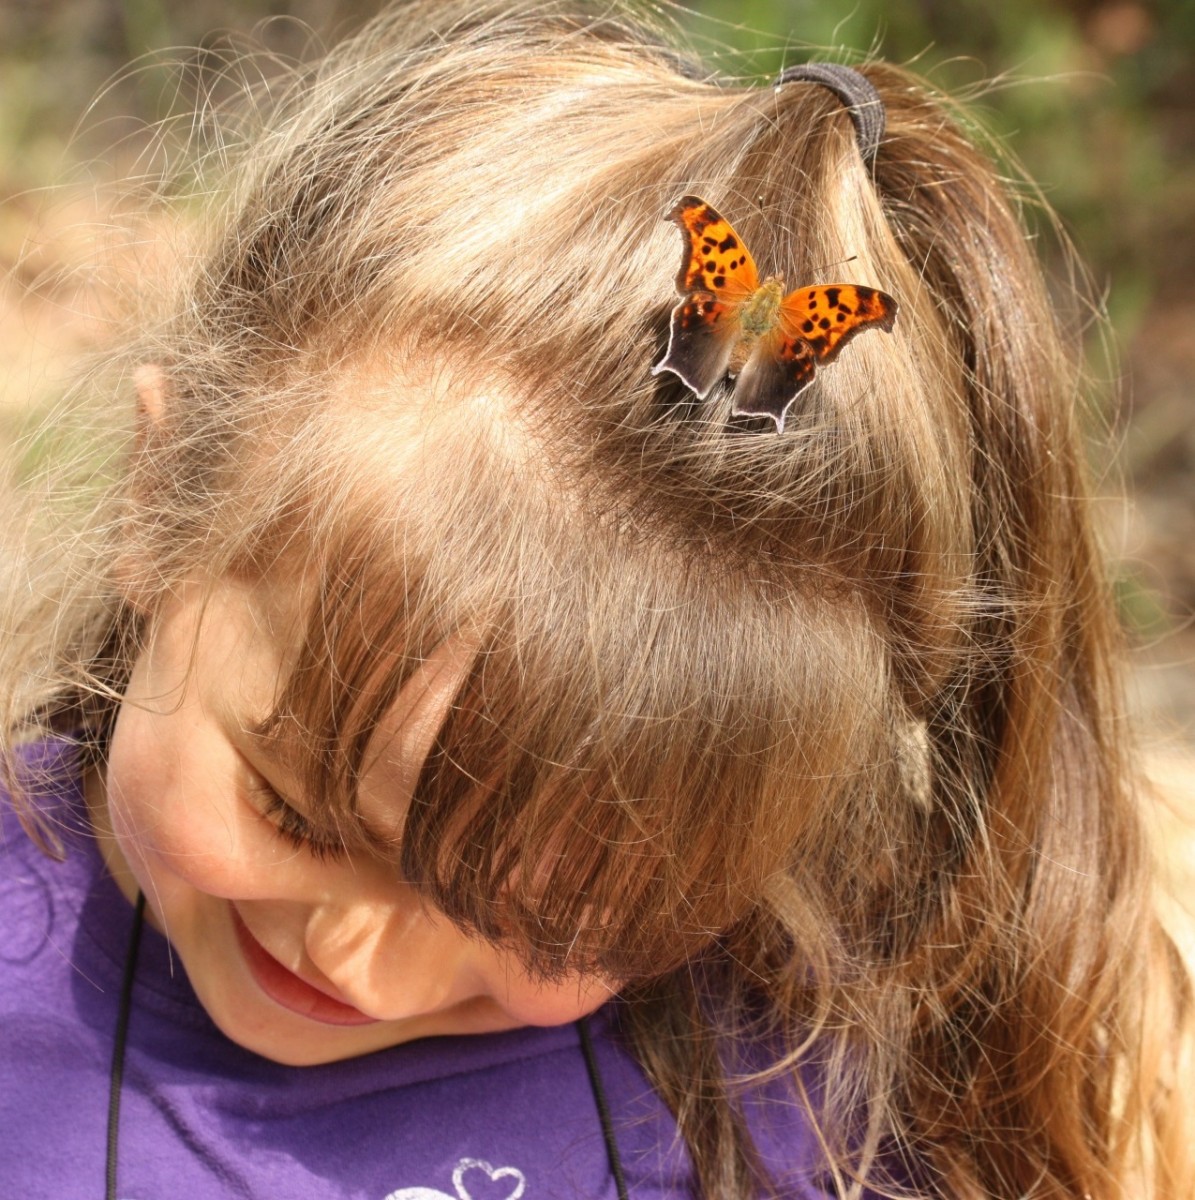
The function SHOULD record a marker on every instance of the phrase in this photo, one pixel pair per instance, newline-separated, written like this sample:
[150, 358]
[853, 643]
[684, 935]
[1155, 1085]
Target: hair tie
[862, 101]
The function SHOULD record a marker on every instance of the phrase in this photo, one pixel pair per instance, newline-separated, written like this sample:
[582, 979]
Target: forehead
[354, 507]
[253, 630]
[239, 644]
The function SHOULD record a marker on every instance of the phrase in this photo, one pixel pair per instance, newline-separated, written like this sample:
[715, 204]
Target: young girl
[525, 723]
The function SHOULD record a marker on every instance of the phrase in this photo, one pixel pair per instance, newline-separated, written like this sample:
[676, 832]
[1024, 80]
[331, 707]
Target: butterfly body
[761, 310]
[730, 323]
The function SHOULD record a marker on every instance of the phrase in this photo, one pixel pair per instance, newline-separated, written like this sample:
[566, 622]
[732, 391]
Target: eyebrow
[272, 732]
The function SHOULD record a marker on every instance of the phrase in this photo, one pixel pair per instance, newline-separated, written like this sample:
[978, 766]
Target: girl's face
[299, 951]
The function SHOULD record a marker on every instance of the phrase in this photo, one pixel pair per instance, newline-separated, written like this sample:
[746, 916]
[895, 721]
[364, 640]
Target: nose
[394, 959]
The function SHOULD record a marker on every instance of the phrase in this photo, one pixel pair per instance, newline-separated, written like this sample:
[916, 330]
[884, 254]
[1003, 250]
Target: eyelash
[292, 826]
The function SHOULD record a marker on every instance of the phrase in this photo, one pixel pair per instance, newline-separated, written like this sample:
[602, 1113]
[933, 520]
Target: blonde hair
[811, 739]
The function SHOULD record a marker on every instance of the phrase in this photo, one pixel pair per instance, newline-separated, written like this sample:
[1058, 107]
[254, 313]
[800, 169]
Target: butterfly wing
[715, 261]
[778, 370]
[717, 274]
[815, 323]
[828, 316]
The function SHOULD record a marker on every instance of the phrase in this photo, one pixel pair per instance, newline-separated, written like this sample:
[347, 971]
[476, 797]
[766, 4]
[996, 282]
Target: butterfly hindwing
[779, 369]
[701, 340]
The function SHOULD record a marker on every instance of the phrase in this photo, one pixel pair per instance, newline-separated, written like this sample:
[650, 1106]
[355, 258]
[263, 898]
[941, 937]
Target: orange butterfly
[729, 322]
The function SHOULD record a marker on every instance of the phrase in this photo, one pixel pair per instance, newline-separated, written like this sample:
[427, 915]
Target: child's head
[412, 367]
[825, 711]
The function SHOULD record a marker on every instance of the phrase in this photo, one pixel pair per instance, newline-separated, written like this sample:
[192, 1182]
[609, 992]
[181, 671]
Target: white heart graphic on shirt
[477, 1164]
[458, 1183]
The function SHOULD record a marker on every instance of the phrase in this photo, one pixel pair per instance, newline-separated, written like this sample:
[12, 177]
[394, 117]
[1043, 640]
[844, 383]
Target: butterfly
[730, 323]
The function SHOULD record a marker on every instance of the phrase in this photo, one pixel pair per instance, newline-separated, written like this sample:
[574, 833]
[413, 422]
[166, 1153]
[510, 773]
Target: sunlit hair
[815, 736]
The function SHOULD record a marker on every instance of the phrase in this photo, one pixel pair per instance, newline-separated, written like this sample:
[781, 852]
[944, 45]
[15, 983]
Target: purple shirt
[490, 1117]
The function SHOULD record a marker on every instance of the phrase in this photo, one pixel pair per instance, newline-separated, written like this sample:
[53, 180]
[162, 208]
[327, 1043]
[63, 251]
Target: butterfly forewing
[828, 315]
[716, 261]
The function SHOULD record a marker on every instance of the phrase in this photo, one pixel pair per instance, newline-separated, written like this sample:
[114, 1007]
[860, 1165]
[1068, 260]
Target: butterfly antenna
[840, 263]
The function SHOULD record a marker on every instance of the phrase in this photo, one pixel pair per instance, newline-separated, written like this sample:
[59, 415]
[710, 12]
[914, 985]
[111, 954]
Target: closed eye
[290, 824]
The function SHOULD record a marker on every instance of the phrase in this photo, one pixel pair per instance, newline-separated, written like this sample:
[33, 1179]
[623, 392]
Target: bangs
[606, 794]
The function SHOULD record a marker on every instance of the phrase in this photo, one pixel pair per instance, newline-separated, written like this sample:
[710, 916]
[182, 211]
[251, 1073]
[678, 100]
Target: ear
[150, 382]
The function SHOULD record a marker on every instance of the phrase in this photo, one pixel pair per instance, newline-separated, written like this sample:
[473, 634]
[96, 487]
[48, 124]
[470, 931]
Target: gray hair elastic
[854, 90]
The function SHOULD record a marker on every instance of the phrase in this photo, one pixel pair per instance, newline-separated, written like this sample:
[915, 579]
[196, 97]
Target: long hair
[813, 740]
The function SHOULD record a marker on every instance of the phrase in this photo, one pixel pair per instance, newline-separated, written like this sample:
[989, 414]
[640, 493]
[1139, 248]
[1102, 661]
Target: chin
[304, 1048]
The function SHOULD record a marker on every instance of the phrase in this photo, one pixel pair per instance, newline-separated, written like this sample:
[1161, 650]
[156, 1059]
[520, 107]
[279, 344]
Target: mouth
[287, 990]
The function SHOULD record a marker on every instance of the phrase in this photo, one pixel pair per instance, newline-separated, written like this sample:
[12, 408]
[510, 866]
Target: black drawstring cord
[603, 1107]
[116, 1078]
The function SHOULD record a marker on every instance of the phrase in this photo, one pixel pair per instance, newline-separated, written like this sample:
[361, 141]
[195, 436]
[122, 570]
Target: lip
[287, 990]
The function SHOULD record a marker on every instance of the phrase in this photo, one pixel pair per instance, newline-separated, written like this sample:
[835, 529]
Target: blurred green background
[1095, 97]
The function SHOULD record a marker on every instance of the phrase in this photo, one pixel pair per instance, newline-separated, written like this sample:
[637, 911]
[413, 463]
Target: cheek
[165, 814]
[138, 783]
[552, 1004]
